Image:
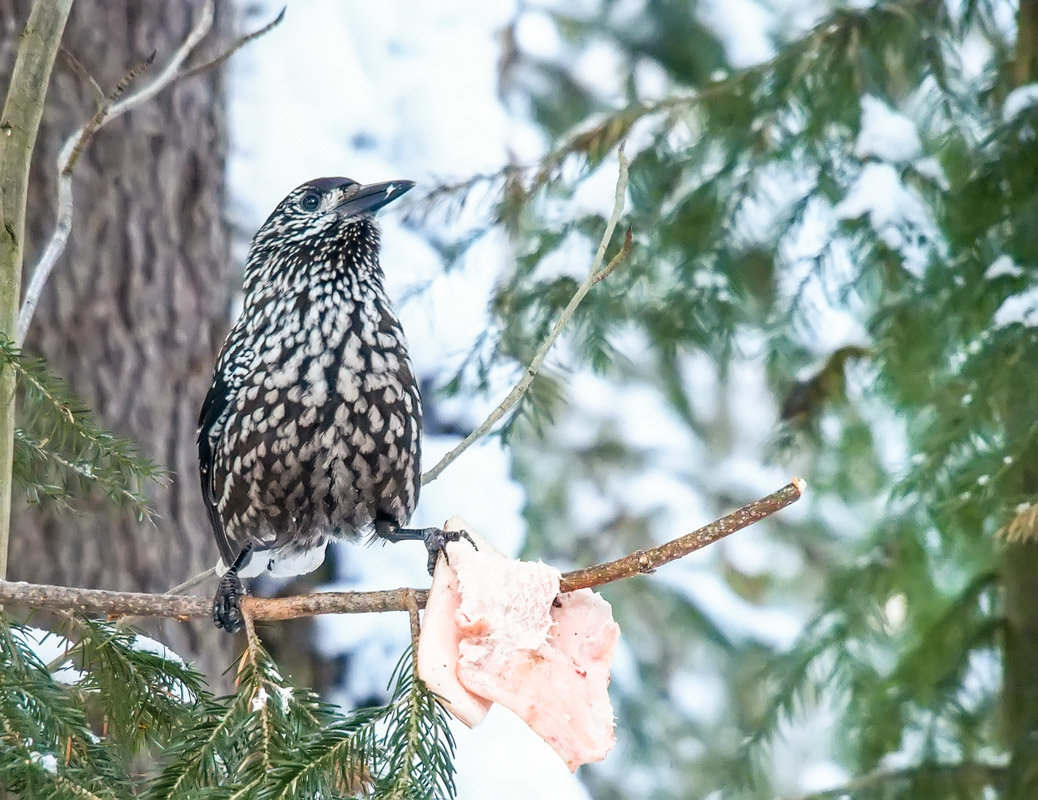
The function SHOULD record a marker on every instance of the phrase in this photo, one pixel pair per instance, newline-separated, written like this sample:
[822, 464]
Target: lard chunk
[497, 630]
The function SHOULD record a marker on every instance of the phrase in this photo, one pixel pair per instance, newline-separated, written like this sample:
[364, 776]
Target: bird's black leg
[435, 539]
[227, 603]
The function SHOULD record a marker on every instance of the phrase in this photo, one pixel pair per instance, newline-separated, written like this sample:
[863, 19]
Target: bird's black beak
[372, 197]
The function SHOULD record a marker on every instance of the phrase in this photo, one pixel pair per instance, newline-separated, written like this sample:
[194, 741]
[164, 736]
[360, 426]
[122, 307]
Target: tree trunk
[137, 307]
[1020, 558]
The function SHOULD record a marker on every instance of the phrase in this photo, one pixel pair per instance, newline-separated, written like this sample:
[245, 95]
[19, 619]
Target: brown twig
[234, 48]
[645, 561]
[119, 604]
[411, 601]
[104, 109]
[82, 73]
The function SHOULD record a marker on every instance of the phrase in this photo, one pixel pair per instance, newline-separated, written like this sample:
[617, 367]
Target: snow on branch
[120, 604]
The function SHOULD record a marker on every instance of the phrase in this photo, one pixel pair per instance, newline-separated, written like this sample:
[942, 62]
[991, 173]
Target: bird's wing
[210, 429]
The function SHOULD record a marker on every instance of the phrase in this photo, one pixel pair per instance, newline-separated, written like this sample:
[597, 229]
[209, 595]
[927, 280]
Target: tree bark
[137, 307]
[1020, 556]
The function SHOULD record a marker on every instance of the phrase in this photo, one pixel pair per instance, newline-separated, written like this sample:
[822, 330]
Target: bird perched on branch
[311, 428]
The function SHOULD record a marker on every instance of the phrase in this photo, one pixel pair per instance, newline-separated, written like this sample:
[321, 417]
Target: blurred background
[833, 208]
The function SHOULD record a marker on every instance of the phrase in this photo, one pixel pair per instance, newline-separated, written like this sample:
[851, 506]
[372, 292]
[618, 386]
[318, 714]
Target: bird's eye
[310, 201]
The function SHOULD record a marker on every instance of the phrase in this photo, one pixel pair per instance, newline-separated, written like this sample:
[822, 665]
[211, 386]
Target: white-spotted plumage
[311, 429]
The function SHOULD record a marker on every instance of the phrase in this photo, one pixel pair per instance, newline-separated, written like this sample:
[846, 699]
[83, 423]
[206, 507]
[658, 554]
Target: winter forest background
[835, 275]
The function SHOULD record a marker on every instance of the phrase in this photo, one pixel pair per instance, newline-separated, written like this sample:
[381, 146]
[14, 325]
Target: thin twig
[411, 601]
[103, 114]
[251, 637]
[595, 275]
[645, 561]
[190, 583]
[230, 51]
[118, 604]
[83, 75]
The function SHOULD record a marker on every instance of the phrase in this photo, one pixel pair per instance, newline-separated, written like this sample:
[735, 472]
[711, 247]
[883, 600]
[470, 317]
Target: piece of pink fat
[513, 645]
[438, 648]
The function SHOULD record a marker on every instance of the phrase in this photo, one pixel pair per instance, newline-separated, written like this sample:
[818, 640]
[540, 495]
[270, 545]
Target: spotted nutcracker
[311, 428]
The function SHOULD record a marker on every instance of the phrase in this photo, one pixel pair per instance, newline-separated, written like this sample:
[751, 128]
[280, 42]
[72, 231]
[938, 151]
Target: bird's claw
[436, 541]
[227, 613]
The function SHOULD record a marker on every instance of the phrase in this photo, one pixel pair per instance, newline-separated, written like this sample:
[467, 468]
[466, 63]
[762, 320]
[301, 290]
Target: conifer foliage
[61, 454]
[85, 723]
[851, 218]
[849, 221]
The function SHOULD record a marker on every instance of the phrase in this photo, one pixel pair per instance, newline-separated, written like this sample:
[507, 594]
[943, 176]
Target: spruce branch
[596, 275]
[49, 749]
[59, 449]
[596, 140]
[117, 604]
[417, 745]
[110, 108]
[954, 776]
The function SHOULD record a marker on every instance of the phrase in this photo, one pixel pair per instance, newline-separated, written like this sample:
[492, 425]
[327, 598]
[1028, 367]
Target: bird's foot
[436, 541]
[227, 613]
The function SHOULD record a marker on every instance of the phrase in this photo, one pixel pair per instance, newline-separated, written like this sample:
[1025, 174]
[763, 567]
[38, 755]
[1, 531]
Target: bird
[311, 428]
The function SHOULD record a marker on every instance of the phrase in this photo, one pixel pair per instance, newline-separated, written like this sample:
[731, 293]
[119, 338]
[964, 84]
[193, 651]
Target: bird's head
[326, 219]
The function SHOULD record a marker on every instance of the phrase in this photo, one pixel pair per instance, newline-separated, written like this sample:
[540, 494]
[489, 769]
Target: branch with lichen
[184, 607]
[110, 107]
[19, 124]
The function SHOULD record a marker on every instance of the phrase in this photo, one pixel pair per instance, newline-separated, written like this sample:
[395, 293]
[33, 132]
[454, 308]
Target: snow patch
[886, 134]
[896, 213]
[258, 700]
[931, 169]
[49, 647]
[1020, 309]
[1019, 100]
[46, 761]
[743, 26]
[145, 644]
[1003, 266]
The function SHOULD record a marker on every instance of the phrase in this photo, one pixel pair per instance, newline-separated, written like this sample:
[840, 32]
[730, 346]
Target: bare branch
[645, 561]
[119, 604]
[198, 32]
[83, 75]
[86, 133]
[234, 48]
[595, 275]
